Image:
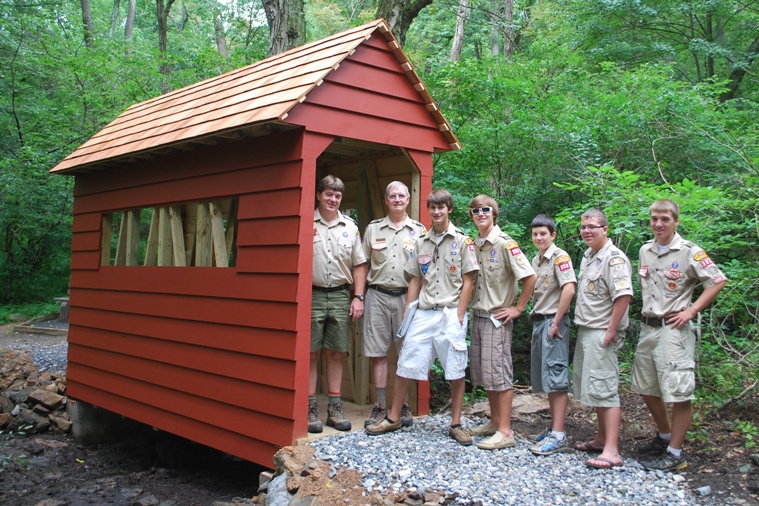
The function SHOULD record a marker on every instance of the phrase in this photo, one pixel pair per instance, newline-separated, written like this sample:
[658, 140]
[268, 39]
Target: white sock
[559, 435]
[666, 437]
[674, 451]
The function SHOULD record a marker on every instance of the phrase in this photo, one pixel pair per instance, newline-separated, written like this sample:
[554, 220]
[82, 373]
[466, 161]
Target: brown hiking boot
[314, 424]
[335, 416]
[407, 418]
[378, 414]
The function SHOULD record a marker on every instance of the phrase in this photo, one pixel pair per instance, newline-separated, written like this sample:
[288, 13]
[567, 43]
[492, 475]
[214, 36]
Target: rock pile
[30, 401]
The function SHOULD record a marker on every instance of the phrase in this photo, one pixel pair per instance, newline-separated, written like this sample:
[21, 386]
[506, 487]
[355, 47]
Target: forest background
[560, 105]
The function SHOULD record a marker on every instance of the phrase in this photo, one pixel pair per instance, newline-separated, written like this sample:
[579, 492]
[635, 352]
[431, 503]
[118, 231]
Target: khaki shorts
[383, 314]
[596, 371]
[330, 320]
[664, 364]
[490, 354]
[434, 332]
[549, 358]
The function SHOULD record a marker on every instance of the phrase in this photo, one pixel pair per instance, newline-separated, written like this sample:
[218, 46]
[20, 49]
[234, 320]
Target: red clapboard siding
[216, 282]
[268, 232]
[247, 153]
[263, 342]
[252, 368]
[84, 260]
[87, 222]
[255, 450]
[85, 241]
[249, 393]
[232, 418]
[366, 128]
[269, 204]
[273, 315]
[383, 81]
[201, 188]
[267, 259]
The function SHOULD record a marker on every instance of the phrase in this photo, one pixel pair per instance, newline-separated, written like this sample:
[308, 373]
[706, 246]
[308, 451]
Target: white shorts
[434, 332]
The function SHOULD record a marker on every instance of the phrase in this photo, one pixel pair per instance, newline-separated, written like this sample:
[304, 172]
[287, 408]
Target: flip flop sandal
[607, 464]
[588, 447]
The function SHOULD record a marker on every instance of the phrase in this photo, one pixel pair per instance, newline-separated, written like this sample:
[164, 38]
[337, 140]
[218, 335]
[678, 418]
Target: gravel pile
[423, 457]
[48, 356]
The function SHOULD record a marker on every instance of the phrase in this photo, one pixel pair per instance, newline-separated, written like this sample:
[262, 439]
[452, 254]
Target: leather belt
[329, 289]
[389, 291]
[482, 314]
[540, 317]
[654, 322]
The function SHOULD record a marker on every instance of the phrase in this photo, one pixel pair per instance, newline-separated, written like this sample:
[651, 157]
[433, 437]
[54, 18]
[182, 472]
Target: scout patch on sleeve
[561, 259]
[700, 256]
[621, 284]
[706, 262]
[643, 271]
[468, 241]
[565, 266]
[511, 244]
[616, 261]
[719, 279]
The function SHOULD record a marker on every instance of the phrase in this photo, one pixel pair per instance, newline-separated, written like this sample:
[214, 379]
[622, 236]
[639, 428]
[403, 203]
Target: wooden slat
[87, 222]
[105, 240]
[133, 238]
[267, 258]
[269, 204]
[121, 244]
[151, 249]
[203, 244]
[86, 260]
[177, 236]
[218, 235]
[85, 241]
[165, 254]
[189, 225]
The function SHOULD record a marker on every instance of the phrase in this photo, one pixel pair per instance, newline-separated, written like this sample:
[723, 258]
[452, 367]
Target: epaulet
[615, 252]
[350, 219]
[418, 223]
[378, 220]
[458, 230]
[504, 235]
[649, 241]
[689, 244]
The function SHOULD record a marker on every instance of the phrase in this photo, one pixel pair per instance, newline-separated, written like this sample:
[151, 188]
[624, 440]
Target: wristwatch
[359, 297]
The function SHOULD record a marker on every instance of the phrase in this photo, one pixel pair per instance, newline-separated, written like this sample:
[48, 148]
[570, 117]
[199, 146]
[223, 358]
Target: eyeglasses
[590, 227]
[478, 210]
[397, 196]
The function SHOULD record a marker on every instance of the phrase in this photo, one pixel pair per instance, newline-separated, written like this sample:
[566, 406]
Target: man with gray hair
[388, 244]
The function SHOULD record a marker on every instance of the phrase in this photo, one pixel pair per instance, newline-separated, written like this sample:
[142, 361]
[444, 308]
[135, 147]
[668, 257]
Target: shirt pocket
[380, 252]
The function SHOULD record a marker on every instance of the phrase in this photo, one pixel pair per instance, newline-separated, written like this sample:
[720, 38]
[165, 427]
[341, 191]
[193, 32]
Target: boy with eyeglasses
[554, 291]
[441, 271]
[670, 269]
[388, 244]
[603, 299]
[503, 267]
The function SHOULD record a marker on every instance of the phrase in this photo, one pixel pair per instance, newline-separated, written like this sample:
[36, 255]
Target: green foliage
[29, 310]
[747, 430]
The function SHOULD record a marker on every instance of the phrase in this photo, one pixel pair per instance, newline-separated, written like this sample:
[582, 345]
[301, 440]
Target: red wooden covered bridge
[192, 235]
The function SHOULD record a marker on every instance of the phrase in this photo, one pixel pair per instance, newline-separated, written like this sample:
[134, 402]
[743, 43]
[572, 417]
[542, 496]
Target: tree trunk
[287, 24]
[739, 71]
[129, 27]
[508, 29]
[89, 30]
[399, 14]
[114, 17]
[221, 39]
[162, 15]
[458, 36]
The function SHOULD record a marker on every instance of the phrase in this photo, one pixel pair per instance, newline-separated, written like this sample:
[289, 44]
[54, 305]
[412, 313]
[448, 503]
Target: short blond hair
[664, 206]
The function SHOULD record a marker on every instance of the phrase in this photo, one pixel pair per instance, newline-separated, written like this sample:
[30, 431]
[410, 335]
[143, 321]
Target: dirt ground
[155, 468]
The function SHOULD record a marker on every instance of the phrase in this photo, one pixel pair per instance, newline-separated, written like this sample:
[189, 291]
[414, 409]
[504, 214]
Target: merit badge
[424, 259]
[453, 269]
[454, 245]
[672, 286]
[591, 286]
[643, 271]
[672, 274]
[675, 264]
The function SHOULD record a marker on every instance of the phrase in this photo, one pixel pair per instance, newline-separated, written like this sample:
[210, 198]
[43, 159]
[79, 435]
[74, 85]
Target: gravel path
[422, 458]
[48, 352]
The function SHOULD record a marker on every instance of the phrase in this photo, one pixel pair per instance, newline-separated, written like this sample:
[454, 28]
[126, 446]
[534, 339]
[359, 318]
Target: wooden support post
[203, 244]
[121, 245]
[151, 250]
[376, 194]
[415, 202]
[231, 227]
[105, 240]
[133, 238]
[165, 254]
[177, 236]
[217, 233]
[189, 224]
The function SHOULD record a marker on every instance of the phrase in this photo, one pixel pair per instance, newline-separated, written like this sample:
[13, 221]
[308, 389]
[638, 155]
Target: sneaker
[383, 427]
[550, 445]
[657, 446]
[335, 416]
[314, 424]
[407, 419]
[537, 438]
[666, 462]
[496, 442]
[486, 429]
[460, 435]
[378, 414]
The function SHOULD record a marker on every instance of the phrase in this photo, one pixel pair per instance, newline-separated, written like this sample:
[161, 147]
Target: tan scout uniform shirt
[554, 270]
[502, 264]
[388, 249]
[668, 279]
[604, 277]
[337, 249]
[441, 266]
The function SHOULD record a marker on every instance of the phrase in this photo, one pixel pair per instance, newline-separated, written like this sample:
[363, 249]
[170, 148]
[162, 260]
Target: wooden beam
[189, 224]
[121, 245]
[376, 194]
[151, 249]
[203, 244]
[165, 254]
[217, 233]
[133, 238]
[177, 236]
[231, 227]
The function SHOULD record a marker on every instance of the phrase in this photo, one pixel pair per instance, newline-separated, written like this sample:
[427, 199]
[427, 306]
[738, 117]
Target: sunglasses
[478, 210]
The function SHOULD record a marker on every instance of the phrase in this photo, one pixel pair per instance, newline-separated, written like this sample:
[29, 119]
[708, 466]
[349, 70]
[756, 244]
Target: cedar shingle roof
[262, 92]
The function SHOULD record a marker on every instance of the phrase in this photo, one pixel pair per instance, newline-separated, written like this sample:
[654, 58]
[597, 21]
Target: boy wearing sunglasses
[549, 367]
[441, 274]
[503, 267]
